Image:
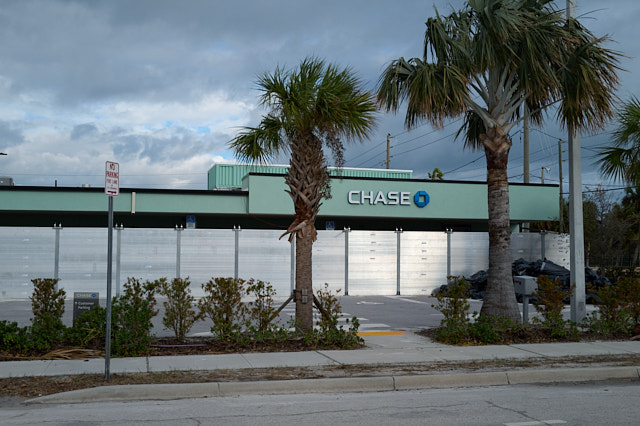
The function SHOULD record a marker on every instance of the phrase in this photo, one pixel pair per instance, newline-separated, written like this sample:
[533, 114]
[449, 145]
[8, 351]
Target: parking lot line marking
[381, 333]
[407, 300]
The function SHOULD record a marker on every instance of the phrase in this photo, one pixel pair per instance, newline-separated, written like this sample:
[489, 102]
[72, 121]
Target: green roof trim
[229, 176]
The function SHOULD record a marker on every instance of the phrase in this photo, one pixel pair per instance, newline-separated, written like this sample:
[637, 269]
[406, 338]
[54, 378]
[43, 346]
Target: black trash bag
[478, 281]
[521, 267]
[550, 269]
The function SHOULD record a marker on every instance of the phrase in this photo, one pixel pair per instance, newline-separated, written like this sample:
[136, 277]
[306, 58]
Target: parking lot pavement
[375, 313]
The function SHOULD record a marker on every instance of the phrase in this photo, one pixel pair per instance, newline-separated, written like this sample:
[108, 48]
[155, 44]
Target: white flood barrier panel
[368, 259]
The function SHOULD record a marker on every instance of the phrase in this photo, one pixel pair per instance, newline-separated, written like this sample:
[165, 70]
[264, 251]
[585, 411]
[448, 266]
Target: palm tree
[484, 62]
[622, 161]
[436, 174]
[631, 210]
[311, 107]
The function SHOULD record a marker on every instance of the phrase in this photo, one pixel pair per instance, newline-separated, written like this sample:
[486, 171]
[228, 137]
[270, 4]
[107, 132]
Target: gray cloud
[9, 135]
[140, 80]
[83, 130]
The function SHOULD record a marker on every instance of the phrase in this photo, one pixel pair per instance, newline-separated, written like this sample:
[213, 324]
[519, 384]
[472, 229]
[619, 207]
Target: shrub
[454, 305]
[629, 293]
[329, 332]
[550, 303]
[11, 336]
[260, 311]
[88, 330]
[610, 317]
[222, 304]
[131, 318]
[618, 308]
[179, 315]
[47, 305]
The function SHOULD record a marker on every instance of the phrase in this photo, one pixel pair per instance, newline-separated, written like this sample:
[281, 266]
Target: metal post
[56, 265]
[118, 252]
[179, 230]
[525, 141]
[107, 345]
[346, 260]
[542, 246]
[449, 231]
[237, 230]
[293, 265]
[576, 225]
[388, 150]
[525, 148]
[525, 308]
[561, 199]
[398, 233]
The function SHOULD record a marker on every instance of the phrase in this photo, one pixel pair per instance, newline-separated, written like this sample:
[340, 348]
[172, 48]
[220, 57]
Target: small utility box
[526, 286]
[83, 302]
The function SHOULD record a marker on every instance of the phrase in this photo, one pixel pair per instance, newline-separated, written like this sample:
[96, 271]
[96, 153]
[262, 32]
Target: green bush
[454, 305]
[618, 308]
[261, 313]
[131, 318]
[11, 337]
[630, 296]
[550, 303]
[47, 305]
[88, 330]
[179, 315]
[328, 331]
[222, 304]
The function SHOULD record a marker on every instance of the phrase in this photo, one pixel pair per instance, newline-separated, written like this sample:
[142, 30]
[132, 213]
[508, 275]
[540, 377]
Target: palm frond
[259, 144]
[627, 132]
[471, 129]
[588, 80]
[433, 92]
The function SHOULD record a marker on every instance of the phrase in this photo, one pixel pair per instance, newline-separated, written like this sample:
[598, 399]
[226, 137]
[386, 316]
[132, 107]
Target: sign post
[111, 189]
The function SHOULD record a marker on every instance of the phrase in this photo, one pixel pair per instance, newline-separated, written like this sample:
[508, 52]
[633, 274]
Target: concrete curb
[572, 375]
[334, 385]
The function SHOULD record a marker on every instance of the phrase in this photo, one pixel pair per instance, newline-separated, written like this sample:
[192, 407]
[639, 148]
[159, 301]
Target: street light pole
[576, 226]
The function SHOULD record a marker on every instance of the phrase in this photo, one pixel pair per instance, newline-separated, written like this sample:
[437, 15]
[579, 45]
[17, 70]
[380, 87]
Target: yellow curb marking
[380, 333]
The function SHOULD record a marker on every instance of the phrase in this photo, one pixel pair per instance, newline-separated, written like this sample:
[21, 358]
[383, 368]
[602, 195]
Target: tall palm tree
[311, 107]
[484, 62]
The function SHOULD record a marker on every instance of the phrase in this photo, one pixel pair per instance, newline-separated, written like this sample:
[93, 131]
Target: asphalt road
[598, 403]
[375, 313]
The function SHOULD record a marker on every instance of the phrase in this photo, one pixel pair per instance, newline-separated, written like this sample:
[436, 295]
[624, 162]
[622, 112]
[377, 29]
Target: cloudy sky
[162, 86]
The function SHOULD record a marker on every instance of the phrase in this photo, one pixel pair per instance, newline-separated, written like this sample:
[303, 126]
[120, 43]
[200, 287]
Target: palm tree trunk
[307, 180]
[636, 260]
[499, 299]
[304, 282]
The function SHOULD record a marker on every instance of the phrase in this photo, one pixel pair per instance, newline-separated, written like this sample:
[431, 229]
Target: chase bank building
[254, 197]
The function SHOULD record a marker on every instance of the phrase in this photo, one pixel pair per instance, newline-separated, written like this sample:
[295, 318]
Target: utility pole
[388, 150]
[576, 225]
[525, 142]
[525, 147]
[542, 175]
[561, 199]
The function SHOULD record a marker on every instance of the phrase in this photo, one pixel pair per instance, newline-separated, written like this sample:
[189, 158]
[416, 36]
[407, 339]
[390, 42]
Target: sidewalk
[383, 350]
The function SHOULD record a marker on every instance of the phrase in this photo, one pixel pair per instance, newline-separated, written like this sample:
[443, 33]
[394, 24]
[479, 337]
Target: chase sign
[391, 198]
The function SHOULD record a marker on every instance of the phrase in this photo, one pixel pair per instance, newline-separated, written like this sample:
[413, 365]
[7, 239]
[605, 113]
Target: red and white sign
[112, 179]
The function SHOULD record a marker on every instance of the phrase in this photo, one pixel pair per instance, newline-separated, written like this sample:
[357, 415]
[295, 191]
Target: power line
[426, 145]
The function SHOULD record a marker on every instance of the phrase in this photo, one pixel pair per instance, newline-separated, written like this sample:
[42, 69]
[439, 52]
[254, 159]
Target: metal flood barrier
[356, 262]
